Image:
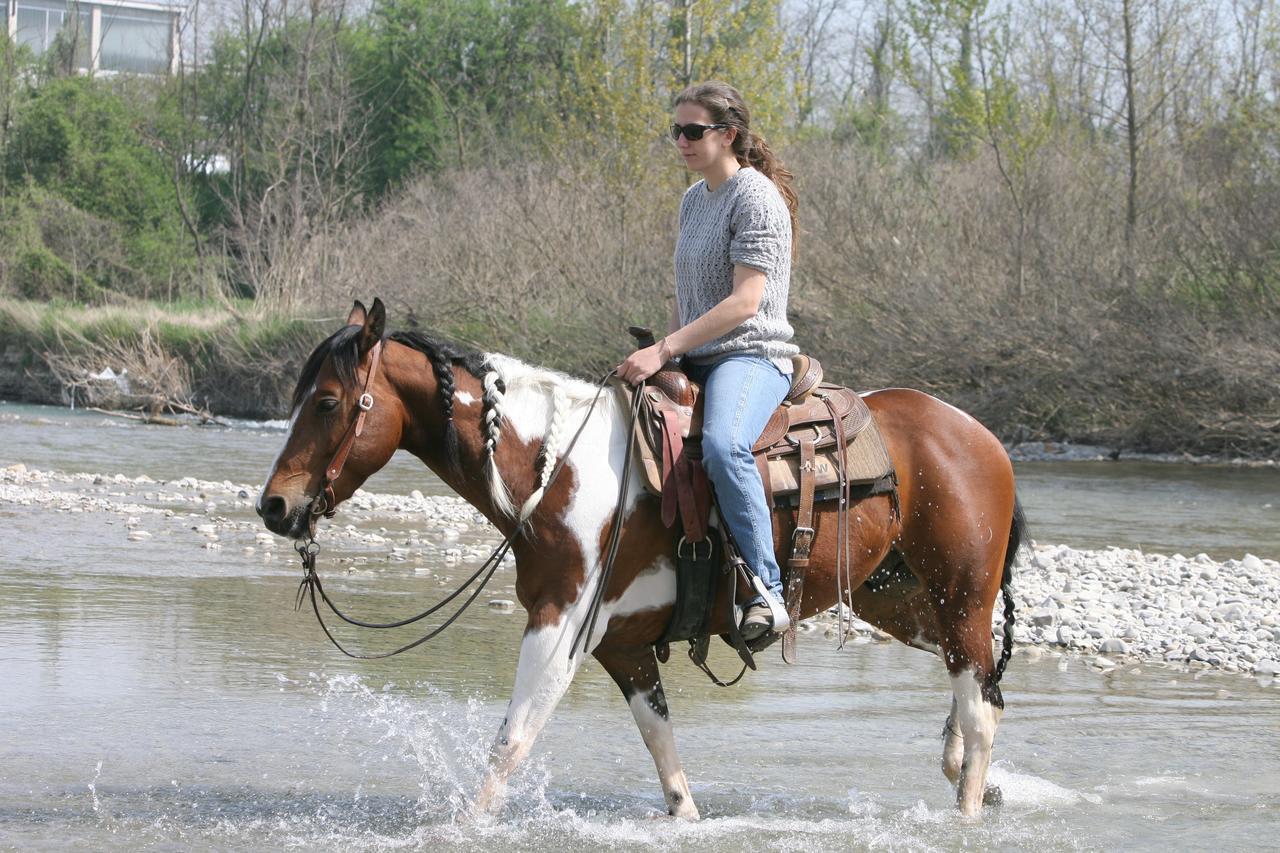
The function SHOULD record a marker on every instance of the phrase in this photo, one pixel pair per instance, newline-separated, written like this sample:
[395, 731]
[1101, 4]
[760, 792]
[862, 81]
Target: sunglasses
[693, 132]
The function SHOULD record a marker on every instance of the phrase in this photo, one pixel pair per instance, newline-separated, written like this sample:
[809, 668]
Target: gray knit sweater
[744, 221]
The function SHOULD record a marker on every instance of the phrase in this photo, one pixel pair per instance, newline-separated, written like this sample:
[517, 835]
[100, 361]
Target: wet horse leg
[909, 619]
[977, 704]
[543, 674]
[635, 670]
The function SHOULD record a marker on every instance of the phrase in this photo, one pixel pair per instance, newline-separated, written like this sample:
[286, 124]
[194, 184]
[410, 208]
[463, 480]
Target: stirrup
[777, 613]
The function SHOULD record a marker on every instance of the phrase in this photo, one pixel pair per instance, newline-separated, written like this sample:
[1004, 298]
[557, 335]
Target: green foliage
[636, 57]
[40, 274]
[461, 81]
[93, 193]
[945, 77]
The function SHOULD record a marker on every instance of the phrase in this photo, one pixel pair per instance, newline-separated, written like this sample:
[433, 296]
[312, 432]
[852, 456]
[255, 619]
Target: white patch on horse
[529, 409]
[293, 419]
[543, 674]
[652, 589]
[976, 720]
[535, 404]
[464, 397]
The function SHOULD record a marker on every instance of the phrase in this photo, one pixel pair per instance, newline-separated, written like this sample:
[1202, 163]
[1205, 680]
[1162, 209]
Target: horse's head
[346, 424]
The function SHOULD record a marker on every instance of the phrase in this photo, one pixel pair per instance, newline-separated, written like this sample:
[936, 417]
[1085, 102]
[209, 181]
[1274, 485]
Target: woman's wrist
[664, 351]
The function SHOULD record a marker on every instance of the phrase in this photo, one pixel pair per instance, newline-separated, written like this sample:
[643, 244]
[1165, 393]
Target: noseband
[326, 502]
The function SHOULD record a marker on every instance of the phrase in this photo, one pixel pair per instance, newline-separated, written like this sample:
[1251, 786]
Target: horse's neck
[524, 428]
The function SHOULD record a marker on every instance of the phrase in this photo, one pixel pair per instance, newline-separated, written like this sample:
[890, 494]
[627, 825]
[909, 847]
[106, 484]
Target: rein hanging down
[325, 504]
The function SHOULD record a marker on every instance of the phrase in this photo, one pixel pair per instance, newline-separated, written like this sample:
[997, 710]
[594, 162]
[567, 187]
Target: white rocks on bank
[1113, 605]
[1119, 603]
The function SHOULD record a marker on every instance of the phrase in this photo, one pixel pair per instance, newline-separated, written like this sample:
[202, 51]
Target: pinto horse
[492, 428]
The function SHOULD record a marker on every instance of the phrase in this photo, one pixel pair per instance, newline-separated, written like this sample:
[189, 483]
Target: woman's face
[711, 148]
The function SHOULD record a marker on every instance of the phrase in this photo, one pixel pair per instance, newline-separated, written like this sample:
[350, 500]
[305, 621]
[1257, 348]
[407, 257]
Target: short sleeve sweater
[743, 221]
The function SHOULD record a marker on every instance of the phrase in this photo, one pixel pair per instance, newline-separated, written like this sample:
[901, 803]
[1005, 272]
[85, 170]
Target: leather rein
[325, 504]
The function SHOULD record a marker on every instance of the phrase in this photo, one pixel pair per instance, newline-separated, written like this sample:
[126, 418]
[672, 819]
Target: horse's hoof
[992, 796]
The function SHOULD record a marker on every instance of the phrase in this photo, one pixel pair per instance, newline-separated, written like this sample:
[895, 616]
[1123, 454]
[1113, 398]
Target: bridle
[325, 502]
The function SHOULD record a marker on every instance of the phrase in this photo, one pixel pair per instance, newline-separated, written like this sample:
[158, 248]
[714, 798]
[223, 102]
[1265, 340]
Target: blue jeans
[740, 392]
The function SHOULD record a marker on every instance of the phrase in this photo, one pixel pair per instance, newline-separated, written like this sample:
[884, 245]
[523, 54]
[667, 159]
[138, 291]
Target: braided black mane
[343, 348]
[443, 356]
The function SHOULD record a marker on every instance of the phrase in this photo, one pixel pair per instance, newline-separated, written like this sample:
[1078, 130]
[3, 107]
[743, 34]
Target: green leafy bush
[94, 194]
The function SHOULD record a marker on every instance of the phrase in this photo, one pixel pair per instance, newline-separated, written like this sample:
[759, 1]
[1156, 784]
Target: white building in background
[114, 36]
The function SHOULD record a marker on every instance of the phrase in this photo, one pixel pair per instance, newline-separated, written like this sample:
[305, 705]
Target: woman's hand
[643, 363]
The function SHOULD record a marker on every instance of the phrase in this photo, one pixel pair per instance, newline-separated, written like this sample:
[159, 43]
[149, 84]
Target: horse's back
[938, 448]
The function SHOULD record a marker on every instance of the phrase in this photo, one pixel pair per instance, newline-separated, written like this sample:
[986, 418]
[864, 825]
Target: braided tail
[1016, 533]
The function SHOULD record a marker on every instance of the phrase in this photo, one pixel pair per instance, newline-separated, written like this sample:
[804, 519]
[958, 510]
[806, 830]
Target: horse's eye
[326, 405]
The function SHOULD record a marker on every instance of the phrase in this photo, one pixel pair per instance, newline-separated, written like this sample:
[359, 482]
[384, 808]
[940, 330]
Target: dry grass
[906, 275]
[903, 278]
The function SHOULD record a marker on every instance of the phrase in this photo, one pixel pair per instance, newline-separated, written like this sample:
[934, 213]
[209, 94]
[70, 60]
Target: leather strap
[363, 405]
[843, 556]
[680, 487]
[672, 445]
[801, 545]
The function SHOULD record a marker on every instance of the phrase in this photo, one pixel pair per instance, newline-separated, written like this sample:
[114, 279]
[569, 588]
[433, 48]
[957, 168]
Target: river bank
[235, 360]
[1115, 607]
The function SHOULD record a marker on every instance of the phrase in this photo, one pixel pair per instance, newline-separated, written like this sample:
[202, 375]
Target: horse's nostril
[273, 509]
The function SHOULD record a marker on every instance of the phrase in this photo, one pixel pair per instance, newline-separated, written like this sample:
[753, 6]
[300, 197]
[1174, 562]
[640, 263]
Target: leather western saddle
[817, 445]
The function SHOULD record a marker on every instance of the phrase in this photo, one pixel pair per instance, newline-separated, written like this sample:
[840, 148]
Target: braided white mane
[536, 403]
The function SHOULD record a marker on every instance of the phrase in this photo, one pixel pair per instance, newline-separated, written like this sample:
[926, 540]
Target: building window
[42, 22]
[135, 40]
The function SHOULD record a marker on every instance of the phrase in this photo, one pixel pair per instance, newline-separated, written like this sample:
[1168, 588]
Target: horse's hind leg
[635, 670]
[976, 706]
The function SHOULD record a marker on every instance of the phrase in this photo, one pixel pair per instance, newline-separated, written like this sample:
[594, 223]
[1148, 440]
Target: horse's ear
[375, 323]
[357, 315]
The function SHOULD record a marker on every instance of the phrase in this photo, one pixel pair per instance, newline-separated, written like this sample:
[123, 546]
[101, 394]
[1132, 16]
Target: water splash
[93, 788]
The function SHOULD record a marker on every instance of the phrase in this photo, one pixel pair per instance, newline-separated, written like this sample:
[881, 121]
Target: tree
[286, 108]
[638, 54]
[458, 81]
[938, 65]
[1016, 125]
[78, 143]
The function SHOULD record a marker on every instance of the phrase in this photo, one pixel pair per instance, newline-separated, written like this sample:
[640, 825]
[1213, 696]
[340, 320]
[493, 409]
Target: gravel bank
[1065, 451]
[1112, 606]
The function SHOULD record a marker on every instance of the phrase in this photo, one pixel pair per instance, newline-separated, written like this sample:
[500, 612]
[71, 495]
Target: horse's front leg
[635, 669]
[543, 675]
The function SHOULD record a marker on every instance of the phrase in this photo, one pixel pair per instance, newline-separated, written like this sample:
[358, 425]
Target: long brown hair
[726, 106]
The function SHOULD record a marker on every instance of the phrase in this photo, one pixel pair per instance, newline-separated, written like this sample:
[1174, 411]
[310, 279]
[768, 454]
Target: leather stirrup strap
[843, 557]
[801, 544]
[672, 445]
[678, 489]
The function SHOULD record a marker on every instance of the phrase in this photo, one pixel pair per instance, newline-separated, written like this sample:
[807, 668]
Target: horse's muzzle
[279, 519]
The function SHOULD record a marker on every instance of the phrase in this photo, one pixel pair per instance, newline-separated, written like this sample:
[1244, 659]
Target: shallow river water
[162, 695]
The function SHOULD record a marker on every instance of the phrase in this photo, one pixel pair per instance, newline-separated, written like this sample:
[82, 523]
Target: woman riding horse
[733, 271]
[491, 427]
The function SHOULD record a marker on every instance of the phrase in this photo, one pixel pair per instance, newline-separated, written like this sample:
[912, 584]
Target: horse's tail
[1016, 533]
